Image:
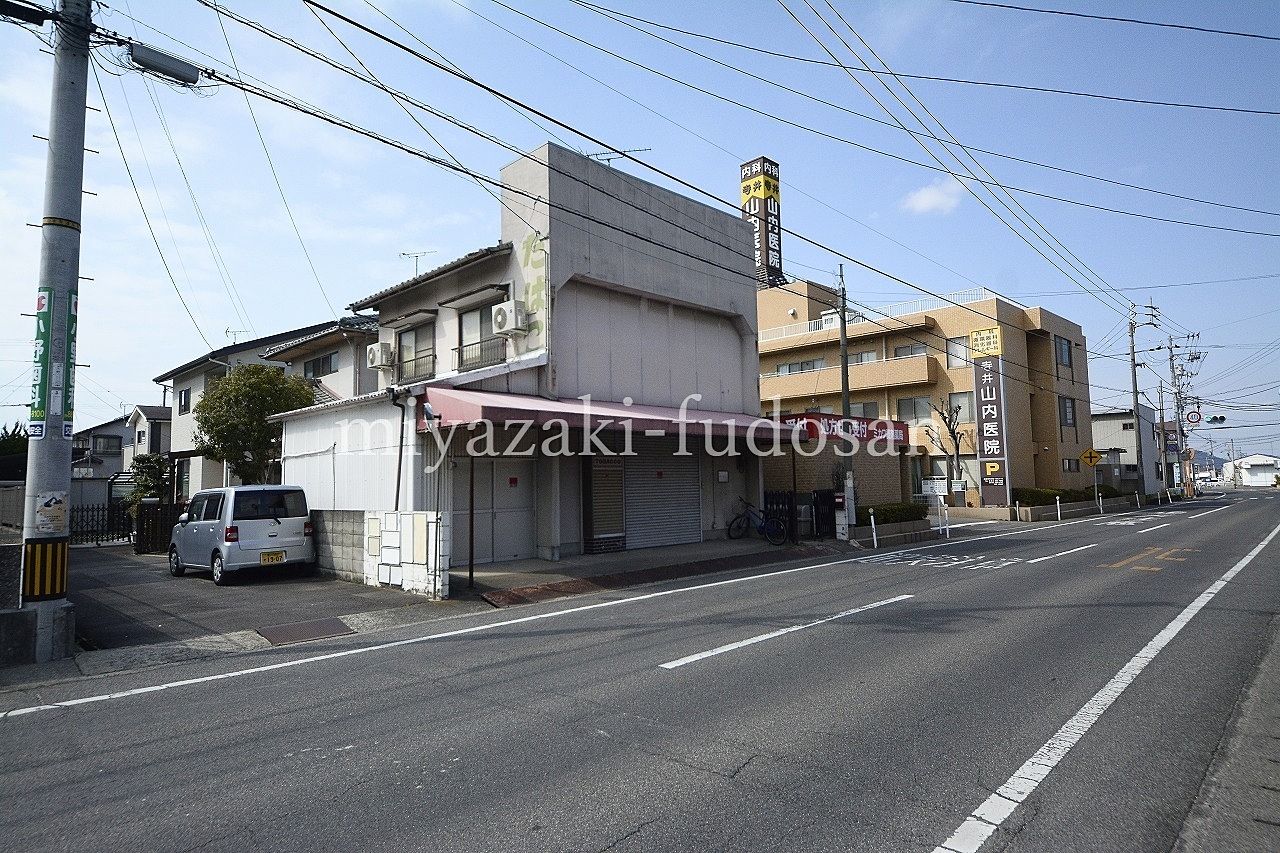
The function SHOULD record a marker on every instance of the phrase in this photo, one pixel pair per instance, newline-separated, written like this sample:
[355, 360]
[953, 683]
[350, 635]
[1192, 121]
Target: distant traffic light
[1216, 419]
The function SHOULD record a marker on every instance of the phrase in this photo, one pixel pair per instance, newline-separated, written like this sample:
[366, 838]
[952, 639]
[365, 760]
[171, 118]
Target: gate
[99, 524]
[154, 525]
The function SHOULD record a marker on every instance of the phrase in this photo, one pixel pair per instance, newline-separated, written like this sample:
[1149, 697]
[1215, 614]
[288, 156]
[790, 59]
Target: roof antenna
[231, 333]
[415, 256]
[607, 157]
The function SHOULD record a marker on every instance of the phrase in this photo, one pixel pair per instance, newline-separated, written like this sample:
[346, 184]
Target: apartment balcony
[417, 369]
[483, 353]
[888, 373]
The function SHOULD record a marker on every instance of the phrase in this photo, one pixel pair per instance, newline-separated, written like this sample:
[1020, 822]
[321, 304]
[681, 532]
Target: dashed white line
[1064, 553]
[982, 823]
[1157, 527]
[187, 682]
[1202, 514]
[760, 638]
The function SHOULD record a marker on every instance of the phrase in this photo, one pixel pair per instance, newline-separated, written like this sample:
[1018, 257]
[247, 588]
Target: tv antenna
[231, 333]
[607, 157]
[416, 256]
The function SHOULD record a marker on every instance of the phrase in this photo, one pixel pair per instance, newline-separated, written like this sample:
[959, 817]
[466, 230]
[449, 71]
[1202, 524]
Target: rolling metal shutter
[662, 494]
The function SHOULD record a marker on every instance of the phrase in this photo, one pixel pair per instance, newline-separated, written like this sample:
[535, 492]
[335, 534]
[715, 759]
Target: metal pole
[471, 527]
[846, 409]
[1097, 494]
[1137, 416]
[1057, 499]
[1164, 438]
[45, 522]
[875, 540]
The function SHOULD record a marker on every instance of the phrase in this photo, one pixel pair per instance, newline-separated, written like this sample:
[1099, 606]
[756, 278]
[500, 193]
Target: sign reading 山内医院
[762, 207]
[989, 417]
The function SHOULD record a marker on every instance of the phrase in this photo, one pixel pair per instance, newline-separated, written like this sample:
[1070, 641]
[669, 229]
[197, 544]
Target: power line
[541, 127]
[616, 16]
[738, 158]
[276, 177]
[936, 159]
[1120, 20]
[294, 104]
[931, 77]
[869, 149]
[150, 229]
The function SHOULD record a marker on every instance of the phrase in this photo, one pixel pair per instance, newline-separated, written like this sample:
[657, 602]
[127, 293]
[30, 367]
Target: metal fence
[99, 524]
[154, 525]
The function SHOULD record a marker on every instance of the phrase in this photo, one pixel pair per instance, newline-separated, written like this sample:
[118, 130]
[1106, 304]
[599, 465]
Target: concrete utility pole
[46, 517]
[1137, 416]
[845, 406]
[1164, 439]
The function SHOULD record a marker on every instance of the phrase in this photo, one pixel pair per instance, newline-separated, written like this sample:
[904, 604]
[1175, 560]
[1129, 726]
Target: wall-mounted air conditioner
[509, 318]
[380, 356]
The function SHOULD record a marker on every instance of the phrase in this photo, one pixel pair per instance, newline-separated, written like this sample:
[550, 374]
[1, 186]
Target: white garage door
[662, 495]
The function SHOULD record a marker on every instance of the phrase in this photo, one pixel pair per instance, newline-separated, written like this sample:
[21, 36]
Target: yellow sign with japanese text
[985, 342]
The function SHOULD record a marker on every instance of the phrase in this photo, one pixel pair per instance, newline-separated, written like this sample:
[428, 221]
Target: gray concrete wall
[340, 543]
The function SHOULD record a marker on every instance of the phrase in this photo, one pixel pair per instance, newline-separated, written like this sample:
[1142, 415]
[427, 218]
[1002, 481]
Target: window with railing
[417, 353]
[485, 352]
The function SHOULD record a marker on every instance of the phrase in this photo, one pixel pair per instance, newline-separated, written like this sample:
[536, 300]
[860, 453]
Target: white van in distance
[225, 530]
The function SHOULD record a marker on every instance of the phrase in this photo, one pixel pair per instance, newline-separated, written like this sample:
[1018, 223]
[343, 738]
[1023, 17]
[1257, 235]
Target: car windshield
[270, 503]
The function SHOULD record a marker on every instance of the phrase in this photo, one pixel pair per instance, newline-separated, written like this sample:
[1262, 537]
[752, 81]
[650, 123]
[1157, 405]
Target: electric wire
[141, 206]
[870, 149]
[603, 10]
[315, 274]
[968, 172]
[1116, 19]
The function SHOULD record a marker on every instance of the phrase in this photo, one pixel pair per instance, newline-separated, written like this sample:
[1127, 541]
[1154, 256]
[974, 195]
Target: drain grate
[300, 632]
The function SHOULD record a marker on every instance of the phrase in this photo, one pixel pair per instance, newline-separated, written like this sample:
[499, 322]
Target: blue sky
[358, 204]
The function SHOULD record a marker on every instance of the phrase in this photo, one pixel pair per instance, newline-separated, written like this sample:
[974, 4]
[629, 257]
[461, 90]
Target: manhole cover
[300, 632]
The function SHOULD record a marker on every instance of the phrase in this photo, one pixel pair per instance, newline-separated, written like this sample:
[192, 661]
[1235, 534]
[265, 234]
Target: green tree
[150, 478]
[13, 439]
[231, 417]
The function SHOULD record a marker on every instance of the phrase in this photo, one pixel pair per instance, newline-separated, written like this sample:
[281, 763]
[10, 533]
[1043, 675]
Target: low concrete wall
[1076, 509]
[898, 533]
[980, 513]
[340, 543]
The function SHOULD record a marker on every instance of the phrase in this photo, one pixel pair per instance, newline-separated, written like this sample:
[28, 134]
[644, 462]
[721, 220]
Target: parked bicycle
[751, 517]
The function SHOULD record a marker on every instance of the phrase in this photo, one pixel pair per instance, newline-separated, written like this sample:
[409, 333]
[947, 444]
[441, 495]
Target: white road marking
[968, 524]
[986, 818]
[778, 633]
[1157, 527]
[187, 682]
[1198, 515]
[1064, 553]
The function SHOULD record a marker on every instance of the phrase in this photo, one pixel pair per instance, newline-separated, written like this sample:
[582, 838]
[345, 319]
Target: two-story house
[149, 431]
[612, 314]
[331, 354]
[97, 452]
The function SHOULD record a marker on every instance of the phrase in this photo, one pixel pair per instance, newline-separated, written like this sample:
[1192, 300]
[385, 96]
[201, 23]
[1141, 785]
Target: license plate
[269, 557]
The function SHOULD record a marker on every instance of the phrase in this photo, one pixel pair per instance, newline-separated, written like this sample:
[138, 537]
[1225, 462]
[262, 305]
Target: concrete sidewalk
[1238, 807]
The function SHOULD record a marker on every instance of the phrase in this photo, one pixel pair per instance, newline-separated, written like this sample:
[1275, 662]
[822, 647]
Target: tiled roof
[155, 413]
[363, 325]
[457, 264]
[255, 345]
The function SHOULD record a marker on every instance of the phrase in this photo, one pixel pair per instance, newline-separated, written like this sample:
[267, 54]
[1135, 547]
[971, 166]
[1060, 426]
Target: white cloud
[941, 196]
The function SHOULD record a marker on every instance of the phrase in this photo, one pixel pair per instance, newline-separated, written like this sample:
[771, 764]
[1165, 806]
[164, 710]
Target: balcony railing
[894, 311]
[420, 367]
[482, 353]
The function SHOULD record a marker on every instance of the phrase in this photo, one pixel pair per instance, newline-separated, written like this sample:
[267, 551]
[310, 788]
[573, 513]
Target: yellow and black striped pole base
[44, 568]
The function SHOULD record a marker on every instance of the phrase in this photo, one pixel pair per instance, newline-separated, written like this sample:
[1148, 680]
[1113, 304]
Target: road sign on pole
[1091, 457]
[1193, 416]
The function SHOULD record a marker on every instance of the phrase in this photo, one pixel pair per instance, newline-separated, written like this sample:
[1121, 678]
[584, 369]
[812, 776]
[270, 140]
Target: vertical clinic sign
[986, 349]
[52, 381]
[762, 207]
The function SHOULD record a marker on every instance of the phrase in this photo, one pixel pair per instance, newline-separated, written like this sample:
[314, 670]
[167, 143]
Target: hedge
[892, 513]
[1046, 497]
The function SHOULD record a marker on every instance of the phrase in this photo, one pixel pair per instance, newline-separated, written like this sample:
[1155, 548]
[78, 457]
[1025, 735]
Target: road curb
[1237, 809]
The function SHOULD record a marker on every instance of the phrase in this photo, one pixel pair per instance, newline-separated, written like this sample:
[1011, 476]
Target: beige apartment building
[908, 358]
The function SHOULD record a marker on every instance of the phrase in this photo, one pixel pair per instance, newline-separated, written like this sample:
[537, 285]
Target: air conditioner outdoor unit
[509, 318]
[380, 356]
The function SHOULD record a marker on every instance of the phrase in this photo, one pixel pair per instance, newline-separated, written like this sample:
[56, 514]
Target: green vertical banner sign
[40, 368]
[69, 369]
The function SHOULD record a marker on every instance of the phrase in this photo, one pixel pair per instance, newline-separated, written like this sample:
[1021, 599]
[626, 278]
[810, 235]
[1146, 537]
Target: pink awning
[463, 407]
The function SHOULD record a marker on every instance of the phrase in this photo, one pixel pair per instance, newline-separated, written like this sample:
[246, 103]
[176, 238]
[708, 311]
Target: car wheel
[175, 563]
[221, 577]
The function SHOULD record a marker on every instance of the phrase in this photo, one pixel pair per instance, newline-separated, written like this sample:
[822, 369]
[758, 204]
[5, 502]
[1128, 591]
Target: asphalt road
[556, 727]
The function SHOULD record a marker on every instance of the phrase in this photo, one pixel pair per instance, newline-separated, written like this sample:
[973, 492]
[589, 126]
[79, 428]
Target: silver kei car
[238, 527]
